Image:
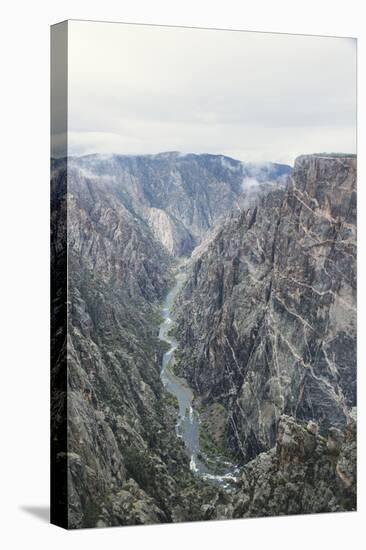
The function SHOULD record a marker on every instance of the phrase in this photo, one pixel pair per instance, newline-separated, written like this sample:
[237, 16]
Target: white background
[24, 309]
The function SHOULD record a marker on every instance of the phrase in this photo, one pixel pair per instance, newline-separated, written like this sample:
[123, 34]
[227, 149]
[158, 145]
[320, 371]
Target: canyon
[201, 282]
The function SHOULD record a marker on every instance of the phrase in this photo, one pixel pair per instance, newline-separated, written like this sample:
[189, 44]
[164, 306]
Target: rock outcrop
[305, 475]
[302, 474]
[267, 319]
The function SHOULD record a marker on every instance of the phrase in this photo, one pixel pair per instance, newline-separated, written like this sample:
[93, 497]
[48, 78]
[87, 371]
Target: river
[188, 423]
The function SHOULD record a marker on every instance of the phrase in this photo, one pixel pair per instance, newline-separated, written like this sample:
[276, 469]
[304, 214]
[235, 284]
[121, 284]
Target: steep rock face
[305, 473]
[180, 196]
[121, 449]
[267, 321]
[170, 232]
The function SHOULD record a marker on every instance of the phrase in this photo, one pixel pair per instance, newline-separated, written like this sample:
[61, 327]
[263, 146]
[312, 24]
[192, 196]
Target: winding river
[188, 423]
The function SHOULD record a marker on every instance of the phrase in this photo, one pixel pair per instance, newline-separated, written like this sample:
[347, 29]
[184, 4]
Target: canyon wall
[267, 319]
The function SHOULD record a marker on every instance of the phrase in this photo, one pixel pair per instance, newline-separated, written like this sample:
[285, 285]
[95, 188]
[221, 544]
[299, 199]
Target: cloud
[254, 96]
[100, 178]
[250, 184]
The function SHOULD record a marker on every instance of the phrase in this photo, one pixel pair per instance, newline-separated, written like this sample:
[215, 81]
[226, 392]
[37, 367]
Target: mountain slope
[125, 464]
[179, 196]
[266, 321]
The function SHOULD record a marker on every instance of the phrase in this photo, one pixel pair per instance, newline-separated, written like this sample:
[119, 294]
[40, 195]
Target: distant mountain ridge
[180, 196]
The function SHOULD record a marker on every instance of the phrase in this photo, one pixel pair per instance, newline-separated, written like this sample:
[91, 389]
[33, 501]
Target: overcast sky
[254, 96]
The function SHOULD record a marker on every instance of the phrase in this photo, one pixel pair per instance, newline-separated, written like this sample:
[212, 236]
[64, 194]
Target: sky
[257, 97]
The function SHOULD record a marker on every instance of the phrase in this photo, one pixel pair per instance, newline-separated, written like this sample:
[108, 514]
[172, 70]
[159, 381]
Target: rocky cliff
[267, 319]
[304, 473]
[180, 196]
[122, 452]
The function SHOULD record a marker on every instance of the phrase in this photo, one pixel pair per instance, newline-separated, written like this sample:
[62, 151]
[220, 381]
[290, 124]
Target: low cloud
[250, 184]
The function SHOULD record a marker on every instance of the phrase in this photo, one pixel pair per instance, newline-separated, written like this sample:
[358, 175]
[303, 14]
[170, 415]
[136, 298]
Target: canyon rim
[204, 289]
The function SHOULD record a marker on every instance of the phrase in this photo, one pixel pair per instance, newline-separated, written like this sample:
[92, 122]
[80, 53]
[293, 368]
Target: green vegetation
[91, 513]
[177, 366]
[140, 467]
[212, 431]
[170, 400]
